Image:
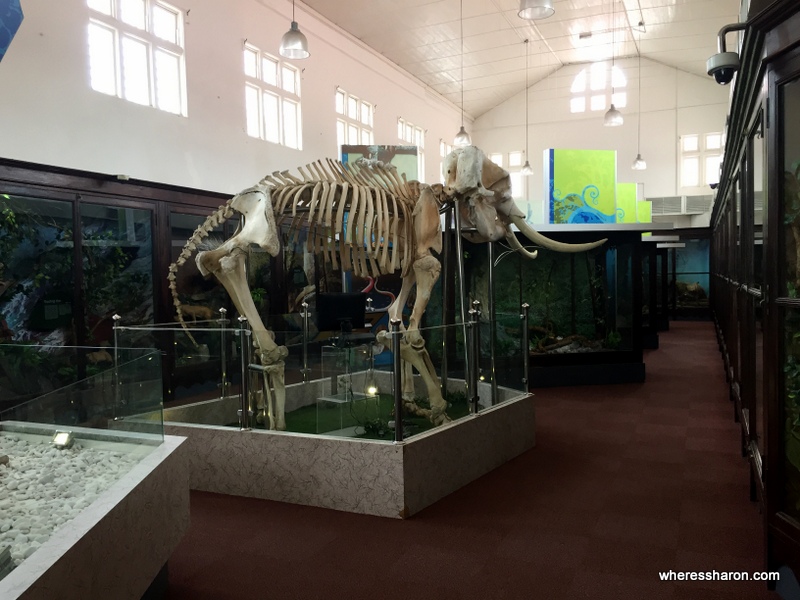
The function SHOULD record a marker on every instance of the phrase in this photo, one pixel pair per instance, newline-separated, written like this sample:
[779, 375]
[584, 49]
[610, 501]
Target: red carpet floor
[625, 481]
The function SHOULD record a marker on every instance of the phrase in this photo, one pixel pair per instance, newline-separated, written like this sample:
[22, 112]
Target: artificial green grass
[370, 416]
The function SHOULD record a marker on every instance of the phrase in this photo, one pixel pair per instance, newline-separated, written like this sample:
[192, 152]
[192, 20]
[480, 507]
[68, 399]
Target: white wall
[674, 103]
[50, 114]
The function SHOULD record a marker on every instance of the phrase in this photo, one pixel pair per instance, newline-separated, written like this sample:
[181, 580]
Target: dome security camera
[723, 66]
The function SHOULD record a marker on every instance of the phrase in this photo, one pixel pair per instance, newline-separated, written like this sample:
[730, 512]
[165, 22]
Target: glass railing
[128, 384]
[339, 384]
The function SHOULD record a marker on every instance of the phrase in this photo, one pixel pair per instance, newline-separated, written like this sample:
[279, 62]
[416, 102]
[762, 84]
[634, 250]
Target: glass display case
[62, 449]
[585, 308]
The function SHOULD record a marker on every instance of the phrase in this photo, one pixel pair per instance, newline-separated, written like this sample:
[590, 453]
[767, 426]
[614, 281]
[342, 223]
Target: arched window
[592, 88]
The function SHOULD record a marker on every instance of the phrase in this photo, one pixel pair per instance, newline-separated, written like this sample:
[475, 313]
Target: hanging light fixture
[639, 163]
[293, 43]
[526, 168]
[613, 117]
[462, 137]
[533, 10]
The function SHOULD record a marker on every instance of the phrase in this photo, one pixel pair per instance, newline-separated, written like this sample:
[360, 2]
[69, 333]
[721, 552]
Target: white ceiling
[424, 38]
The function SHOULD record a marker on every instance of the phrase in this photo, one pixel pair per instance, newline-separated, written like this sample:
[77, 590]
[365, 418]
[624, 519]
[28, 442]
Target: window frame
[278, 125]
[358, 130]
[154, 45]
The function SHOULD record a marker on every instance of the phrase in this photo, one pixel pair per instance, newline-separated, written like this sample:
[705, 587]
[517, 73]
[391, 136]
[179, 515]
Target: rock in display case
[80, 479]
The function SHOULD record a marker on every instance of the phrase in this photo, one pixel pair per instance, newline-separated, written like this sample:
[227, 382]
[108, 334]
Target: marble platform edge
[88, 433]
[373, 477]
[118, 544]
[437, 465]
[361, 476]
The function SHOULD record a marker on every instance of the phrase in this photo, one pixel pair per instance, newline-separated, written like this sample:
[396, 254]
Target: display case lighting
[62, 439]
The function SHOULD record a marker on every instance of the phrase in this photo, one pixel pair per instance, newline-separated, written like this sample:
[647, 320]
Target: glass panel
[577, 105]
[102, 62]
[168, 77]
[713, 141]
[340, 97]
[352, 107]
[291, 124]
[690, 171]
[272, 122]
[400, 128]
[135, 73]
[514, 159]
[251, 110]
[690, 143]
[366, 114]
[250, 63]
[366, 137]
[789, 186]
[352, 134]
[618, 78]
[620, 99]
[36, 284]
[598, 102]
[517, 187]
[165, 24]
[598, 76]
[289, 80]
[269, 70]
[117, 269]
[712, 169]
[496, 158]
[579, 83]
[692, 279]
[132, 12]
[193, 364]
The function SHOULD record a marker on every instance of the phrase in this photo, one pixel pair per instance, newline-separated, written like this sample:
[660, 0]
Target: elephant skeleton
[366, 219]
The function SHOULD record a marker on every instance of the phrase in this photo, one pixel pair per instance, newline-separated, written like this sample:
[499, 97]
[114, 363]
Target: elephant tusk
[514, 242]
[546, 242]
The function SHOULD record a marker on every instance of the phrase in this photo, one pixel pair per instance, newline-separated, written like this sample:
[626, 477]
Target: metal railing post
[492, 326]
[244, 401]
[223, 354]
[397, 377]
[475, 314]
[305, 314]
[116, 318]
[525, 346]
[447, 290]
[462, 289]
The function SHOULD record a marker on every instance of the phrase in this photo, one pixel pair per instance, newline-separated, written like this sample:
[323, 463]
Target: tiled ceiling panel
[424, 38]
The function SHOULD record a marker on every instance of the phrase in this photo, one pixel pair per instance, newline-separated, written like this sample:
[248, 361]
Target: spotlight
[62, 439]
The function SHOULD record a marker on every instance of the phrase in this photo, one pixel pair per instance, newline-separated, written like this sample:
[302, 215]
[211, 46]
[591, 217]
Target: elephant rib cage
[357, 218]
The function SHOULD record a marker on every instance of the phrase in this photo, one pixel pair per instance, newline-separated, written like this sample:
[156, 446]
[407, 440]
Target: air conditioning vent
[667, 205]
[758, 200]
[697, 205]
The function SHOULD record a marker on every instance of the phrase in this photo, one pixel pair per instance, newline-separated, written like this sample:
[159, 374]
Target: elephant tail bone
[219, 216]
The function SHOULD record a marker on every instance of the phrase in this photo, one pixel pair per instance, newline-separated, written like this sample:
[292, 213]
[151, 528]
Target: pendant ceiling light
[639, 163]
[526, 168]
[536, 9]
[293, 43]
[613, 117]
[462, 137]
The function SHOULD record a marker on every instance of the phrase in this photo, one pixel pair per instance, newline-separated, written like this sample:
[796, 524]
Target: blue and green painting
[582, 186]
